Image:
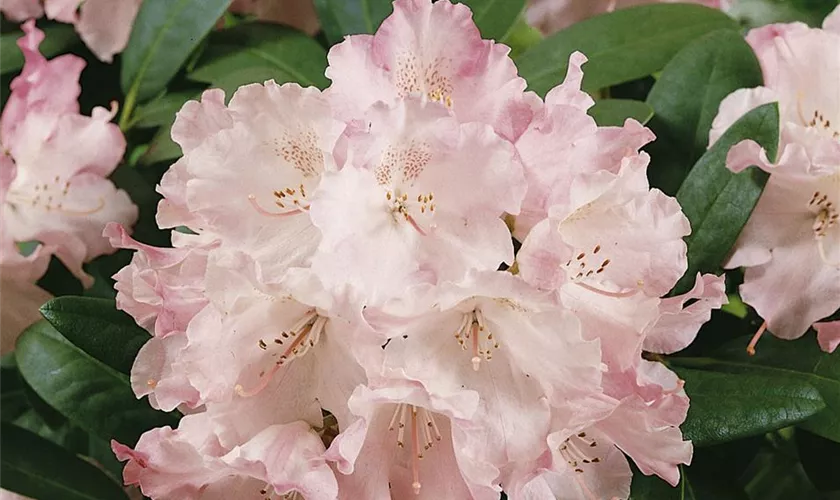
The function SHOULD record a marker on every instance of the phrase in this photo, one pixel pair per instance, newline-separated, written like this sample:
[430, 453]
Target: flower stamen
[754, 340]
[473, 327]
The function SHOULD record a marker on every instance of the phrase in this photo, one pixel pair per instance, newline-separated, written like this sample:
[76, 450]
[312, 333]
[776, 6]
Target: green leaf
[351, 17]
[96, 327]
[686, 99]
[92, 395]
[725, 407]
[613, 112]
[161, 111]
[819, 457]
[754, 13]
[59, 38]
[13, 402]
[495, 18]
[161, 149]
[165, 33]
[34, 467]
[800, 360]
[622, 46]
[718, 202]
[705, 479]
[255, 52]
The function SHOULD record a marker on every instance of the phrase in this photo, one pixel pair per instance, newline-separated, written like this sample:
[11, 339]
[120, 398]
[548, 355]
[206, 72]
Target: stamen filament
[414, 224]
[260, 210]
[754, 340]
[417, 454]
[617, 295]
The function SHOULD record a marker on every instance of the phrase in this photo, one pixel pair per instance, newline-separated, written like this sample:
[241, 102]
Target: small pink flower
[791, 244]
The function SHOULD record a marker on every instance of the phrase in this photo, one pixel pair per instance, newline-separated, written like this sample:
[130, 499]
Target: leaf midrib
[157, 40]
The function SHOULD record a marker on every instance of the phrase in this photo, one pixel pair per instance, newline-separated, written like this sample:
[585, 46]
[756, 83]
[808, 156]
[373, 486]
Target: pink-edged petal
[828, 335]
[105, 26]
[162, 288]
[736, 105]
[158, 373]
[62, 10]
[569, 92]
[289, 458]
[21, 10]
[49, 87]
[832, 21]
[678, 324]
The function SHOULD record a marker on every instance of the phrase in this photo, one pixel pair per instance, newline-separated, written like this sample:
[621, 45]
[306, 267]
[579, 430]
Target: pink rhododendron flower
[194, 462]
[55, 190]
[299, 14]
[512, 346]
[400, 212]
[432, 49]
[409, 442]
[561, 128]
[791, 244]
[59, 194]
[550, 16]
[249, 171]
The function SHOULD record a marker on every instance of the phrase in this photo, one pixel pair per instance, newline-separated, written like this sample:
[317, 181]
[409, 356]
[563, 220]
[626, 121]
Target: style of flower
[790, 246]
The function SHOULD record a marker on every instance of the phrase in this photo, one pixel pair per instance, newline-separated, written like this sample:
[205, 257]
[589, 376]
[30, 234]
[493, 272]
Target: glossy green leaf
[725, 407]
[90, 394]
[255, 52]
[755, 13]
[718, 202]
[686, 99]
[35, 467]
[613, 112]
[621, 46]
[799, 360]
[819, 457]
[161, 111]
[705, 479]
[495, 18]
[162, 148]
[13, 402]
[351, 17]
[164, 35]
[58, 39]
[98, 328]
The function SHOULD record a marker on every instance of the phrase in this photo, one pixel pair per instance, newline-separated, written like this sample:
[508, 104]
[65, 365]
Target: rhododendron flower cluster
[54, 187]
[344, 315]
[791, 244]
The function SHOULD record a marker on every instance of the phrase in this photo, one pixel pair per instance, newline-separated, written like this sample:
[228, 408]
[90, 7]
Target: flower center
[50, 197]
[473, 331]
[826, 217]
[407, 209]
[291, 344]
[291, 201]
[413, 76]
[579, 451]
[423, 430]
[587, 276]
[820, 122]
